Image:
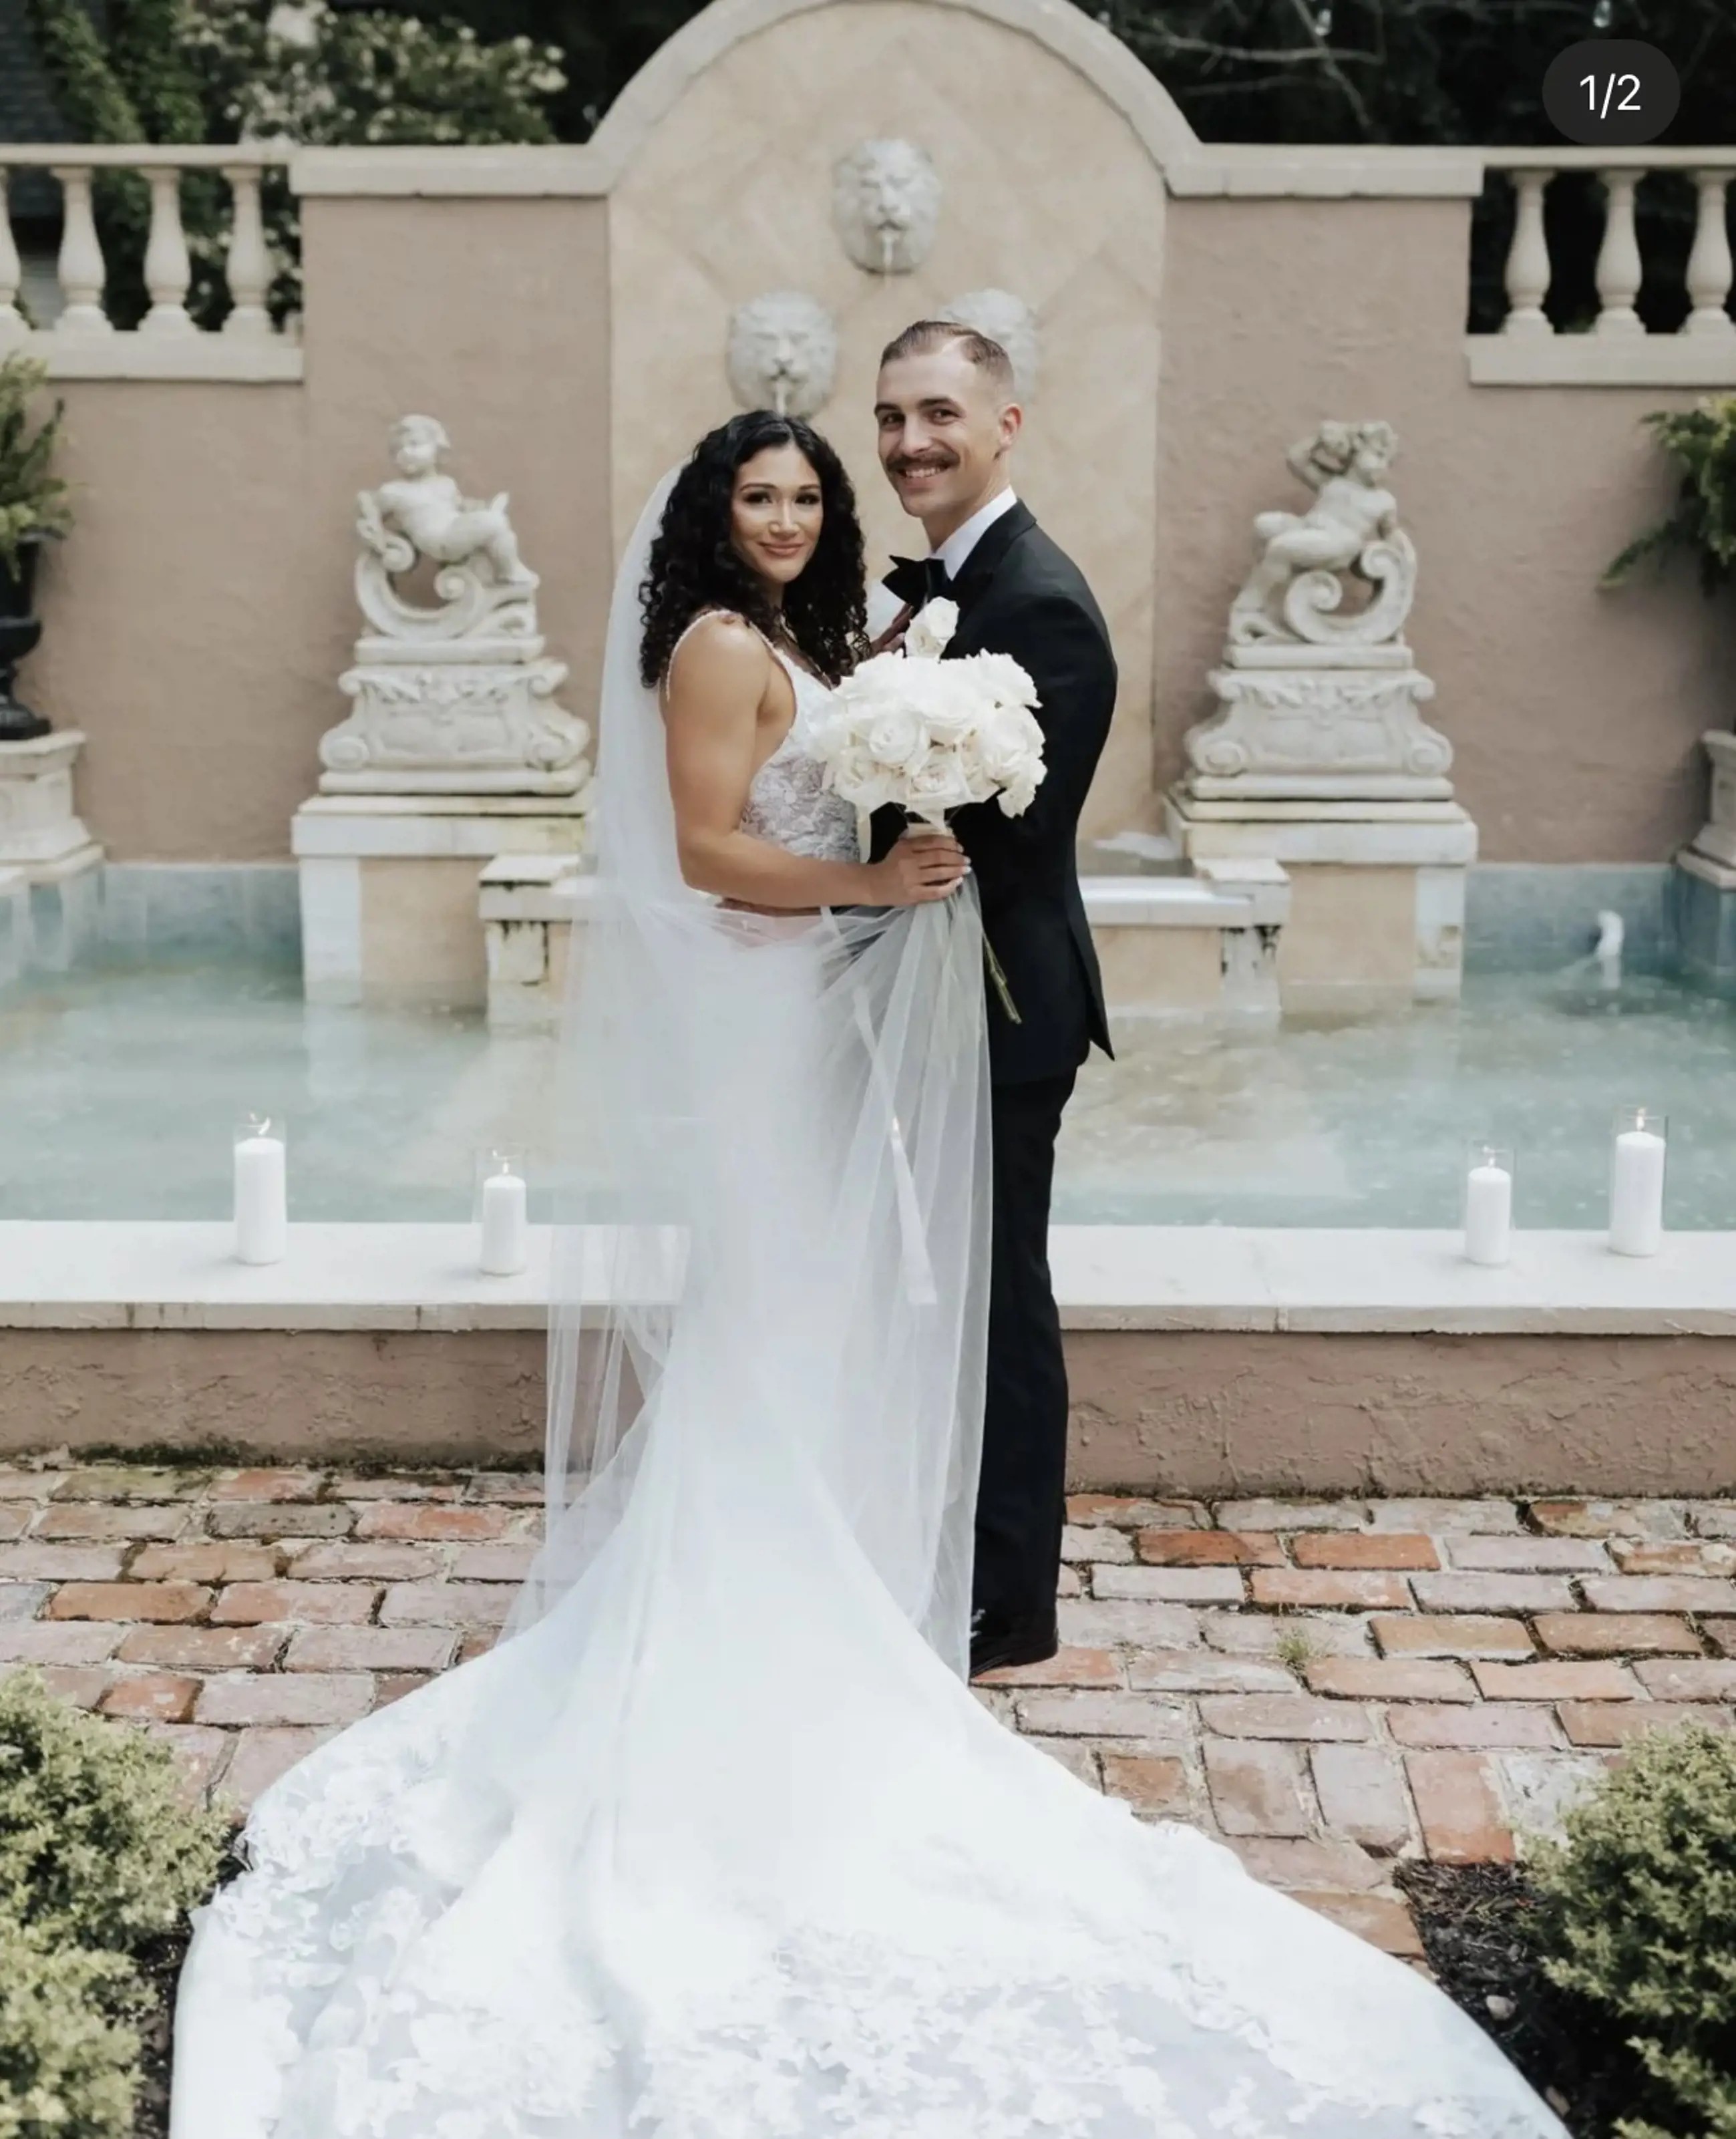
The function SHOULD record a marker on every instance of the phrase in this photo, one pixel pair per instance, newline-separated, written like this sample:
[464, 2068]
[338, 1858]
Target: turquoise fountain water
[118, 1090]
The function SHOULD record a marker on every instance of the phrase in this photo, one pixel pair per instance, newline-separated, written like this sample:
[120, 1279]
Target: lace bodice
[787, 803]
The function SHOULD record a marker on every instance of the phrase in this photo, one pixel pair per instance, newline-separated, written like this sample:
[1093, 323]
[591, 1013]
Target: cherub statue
[1352, 526]
[425, 509]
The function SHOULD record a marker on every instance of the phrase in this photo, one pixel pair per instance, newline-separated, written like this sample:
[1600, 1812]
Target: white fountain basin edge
[101, 1274]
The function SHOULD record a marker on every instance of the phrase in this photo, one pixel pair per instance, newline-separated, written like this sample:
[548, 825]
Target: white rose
[1017, 796]
[941, 782]
[1000, 679]
[1010, 745]
[898, 736]
[855, 774]
[931, 630]
[879, 673]
[949, 706]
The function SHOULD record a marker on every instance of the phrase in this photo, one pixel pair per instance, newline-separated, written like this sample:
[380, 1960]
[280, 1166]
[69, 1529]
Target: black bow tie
[919, 579]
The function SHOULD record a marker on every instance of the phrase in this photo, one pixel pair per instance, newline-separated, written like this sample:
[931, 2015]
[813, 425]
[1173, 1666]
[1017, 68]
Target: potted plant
[33, 507]
[1702, 441]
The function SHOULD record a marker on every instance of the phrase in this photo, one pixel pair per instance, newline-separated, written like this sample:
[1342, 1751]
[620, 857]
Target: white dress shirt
[958, 545]
[884, 607]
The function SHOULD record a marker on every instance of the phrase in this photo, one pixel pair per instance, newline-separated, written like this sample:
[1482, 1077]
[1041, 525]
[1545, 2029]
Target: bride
[717, 1843]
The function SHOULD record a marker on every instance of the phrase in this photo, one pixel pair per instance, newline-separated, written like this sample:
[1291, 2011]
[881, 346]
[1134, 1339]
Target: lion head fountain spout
[886, 204]
[782, 353]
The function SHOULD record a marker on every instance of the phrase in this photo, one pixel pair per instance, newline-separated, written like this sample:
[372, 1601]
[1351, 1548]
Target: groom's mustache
[902, 466]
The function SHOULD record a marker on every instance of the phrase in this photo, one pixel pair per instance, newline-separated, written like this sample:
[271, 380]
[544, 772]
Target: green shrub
[97, 1846]
[32, 497]
[1638, 1915]
[100, 1859]
[1702, 442]
[68, 2067]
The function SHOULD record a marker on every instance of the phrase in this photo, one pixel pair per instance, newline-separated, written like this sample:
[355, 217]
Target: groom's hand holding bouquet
[929, 736]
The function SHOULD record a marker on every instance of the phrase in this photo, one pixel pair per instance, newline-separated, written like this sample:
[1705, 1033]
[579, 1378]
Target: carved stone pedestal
[468, 717]
[40, 831]
[1342, 722]
[1318, 758]
[1703, 885]
[1377, 890]
[389, 887]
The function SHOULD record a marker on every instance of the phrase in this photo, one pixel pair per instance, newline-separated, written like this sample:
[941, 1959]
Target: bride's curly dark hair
[694, 565]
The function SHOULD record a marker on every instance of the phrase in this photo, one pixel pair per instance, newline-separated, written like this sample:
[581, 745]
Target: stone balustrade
[1528, 350]
[82, 340]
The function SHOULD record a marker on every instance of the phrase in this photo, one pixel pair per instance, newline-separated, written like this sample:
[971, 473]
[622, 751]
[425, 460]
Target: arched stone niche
[1050, 141]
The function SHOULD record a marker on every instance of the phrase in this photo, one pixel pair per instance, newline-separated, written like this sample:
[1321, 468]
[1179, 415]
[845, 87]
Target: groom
[948, 420]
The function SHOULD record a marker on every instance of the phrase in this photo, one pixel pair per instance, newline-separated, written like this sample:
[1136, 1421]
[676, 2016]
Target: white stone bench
[1170, 946]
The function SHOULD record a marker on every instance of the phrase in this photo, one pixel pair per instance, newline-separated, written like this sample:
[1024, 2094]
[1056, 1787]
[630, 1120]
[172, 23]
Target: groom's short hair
[925, 337]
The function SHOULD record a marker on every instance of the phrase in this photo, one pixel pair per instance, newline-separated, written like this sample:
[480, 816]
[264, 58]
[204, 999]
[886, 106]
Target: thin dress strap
[704, 616]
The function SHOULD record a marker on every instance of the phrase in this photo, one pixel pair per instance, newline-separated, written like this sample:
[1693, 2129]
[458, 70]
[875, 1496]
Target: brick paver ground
[1328, 1687]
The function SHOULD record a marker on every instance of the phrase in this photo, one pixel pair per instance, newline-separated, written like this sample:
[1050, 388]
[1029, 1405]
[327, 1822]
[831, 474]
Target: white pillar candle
[1636, 1191]
[262, 1209]
[506, 1226]
[1488, 1213]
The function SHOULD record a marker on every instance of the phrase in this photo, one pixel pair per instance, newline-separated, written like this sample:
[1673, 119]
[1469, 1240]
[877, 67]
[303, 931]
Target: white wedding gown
[718, 1844]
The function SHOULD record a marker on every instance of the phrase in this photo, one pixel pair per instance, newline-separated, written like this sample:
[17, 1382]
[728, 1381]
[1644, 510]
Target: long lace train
[827, 1894]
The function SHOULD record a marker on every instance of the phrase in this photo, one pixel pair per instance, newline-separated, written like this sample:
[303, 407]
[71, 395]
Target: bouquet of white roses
[929, 736]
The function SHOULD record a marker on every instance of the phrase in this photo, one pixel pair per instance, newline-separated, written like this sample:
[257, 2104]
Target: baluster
[249, 265]
[1709, 268]
[1527, 258]
[12, 319]
[1619, 270]
[83, 274]
[167, 271]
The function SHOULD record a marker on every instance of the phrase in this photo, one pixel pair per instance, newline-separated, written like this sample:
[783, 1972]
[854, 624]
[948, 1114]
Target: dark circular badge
[1612, 92]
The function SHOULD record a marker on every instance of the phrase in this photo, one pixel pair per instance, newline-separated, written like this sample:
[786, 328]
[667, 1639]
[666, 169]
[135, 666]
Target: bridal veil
[771, 1189]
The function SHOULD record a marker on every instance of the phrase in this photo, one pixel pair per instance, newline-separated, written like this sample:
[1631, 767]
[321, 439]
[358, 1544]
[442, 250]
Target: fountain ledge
[134, 1275]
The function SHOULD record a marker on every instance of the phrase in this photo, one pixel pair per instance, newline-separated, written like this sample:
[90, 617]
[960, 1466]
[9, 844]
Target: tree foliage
[1391, 70]
[1400, 71]
[177, 71]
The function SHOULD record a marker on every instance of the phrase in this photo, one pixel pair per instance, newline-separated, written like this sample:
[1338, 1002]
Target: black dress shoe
[997, 1644]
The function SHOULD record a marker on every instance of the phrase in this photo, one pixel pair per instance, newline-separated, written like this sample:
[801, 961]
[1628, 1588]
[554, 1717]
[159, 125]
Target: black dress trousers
[1022, 1496]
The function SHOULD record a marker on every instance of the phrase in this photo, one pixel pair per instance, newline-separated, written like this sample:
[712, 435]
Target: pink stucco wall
[1574, 712]
[199, 617]
[201, 613]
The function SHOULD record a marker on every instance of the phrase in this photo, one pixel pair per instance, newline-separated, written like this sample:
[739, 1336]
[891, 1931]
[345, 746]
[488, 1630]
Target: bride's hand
[923, 867]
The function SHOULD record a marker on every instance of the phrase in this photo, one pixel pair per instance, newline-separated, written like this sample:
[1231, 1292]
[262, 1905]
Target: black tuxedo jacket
[1019, 593]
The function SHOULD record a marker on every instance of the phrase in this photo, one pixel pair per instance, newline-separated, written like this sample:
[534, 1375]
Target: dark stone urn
[19, 632]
